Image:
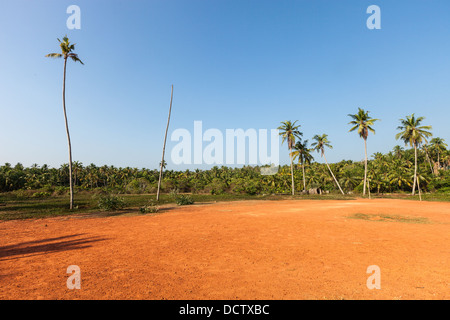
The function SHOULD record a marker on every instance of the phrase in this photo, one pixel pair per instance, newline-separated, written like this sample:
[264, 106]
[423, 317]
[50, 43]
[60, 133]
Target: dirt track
[235, 250]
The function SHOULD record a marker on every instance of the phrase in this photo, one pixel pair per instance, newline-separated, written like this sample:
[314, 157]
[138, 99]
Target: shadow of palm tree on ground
[46, 246]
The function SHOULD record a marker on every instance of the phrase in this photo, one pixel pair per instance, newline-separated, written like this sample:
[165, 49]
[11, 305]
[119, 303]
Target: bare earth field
[307, 249]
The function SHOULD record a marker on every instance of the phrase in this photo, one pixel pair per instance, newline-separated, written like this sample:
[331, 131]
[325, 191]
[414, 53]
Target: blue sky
[234, 64]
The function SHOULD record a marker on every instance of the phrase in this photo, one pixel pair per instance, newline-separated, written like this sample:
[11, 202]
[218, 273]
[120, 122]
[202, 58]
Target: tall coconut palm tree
[439, 145]
[67, 52]
[304, 155]
[319, 145]
[414, 134]
[290, 132]
[362, 122]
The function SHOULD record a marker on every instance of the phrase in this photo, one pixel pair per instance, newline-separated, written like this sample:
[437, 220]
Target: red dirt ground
[307, 249]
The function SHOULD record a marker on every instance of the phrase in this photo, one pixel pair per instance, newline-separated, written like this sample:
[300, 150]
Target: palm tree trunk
[365, 166]
[68, 135]
[415, 169]
[164, 147]
[429, 161]
[304, 178]
[418, 187]
[332, 173]
[439, 160]
[292, 175]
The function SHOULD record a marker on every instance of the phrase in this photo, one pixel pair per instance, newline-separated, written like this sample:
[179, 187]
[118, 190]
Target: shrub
[60, 191]
[137, 186]
[110, 202]
[40, 195]
[444, 190]
[181, 199]
[151, 207]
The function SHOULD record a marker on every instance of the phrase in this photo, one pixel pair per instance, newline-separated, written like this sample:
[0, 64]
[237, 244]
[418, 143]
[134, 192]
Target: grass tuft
[389, 218]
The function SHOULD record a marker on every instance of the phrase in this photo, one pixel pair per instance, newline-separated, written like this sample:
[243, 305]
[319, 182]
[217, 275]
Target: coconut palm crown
[363, 123]
[289, 132]
[414, 134]
[66, 51]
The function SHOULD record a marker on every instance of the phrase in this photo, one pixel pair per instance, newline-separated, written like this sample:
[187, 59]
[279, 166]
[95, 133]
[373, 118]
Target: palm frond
[54, 55]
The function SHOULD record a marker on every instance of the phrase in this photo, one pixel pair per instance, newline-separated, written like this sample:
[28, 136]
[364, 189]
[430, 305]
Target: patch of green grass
[435, 196]
[13, 207]
[389, 218]
[86, 203]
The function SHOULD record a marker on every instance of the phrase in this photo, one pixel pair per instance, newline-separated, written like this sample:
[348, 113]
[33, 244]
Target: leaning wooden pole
[164, 148]
[418, 188]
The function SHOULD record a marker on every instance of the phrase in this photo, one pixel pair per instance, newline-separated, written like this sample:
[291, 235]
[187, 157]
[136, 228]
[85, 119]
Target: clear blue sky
[234, 64]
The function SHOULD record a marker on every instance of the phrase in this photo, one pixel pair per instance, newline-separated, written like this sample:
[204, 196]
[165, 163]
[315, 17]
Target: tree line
[386, 173]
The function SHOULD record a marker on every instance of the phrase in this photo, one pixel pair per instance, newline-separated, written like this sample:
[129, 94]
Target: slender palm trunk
[365, 166]
[164, 147]
[415, 169]
[439, 160]
[292, 173]
[418, 187]
[304, 178]
[68, 135]
[332, 173]
[429, 161]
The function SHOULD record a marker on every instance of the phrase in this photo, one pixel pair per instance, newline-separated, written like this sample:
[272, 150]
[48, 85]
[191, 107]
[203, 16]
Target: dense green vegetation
[387, 173]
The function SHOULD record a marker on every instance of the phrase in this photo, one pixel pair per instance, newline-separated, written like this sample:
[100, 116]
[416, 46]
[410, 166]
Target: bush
[444, 190]
[151, 207]
[40, 195]
[181, 199]
[60, 191]
[441, 183]
[110, 202]
[137, 186]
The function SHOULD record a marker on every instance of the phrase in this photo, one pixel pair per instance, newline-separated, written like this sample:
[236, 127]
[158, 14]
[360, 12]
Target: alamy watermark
[74, 281]
[232, 147]
[74, 20]
[374, 21]
[374, 280]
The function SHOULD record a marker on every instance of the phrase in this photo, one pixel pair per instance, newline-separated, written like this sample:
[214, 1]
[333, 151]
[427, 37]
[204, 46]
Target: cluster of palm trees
[389, 172]
[85, 177]
[411, 132]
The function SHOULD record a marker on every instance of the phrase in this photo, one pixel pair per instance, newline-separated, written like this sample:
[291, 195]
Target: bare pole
[164, 147]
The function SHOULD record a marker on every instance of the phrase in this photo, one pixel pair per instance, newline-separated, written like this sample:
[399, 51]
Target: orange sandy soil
[307, 249]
